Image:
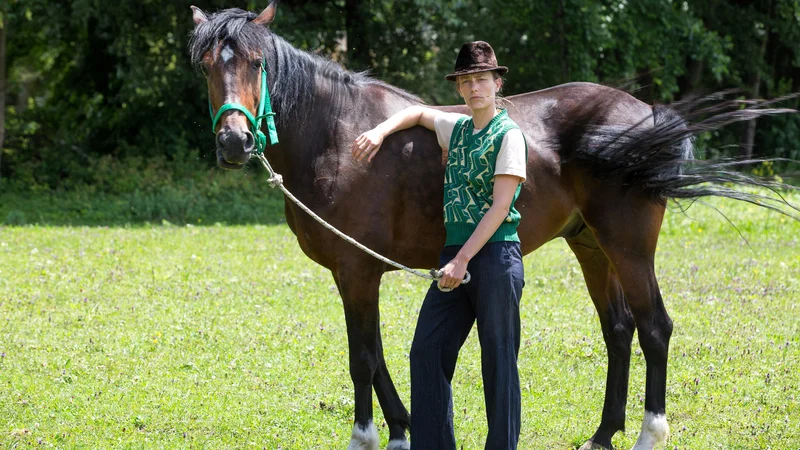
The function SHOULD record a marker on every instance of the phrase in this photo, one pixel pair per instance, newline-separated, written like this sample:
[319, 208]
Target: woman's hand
[453, 273]
[367, 145]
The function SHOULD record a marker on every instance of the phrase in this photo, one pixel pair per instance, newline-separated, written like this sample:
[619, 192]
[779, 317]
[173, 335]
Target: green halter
[264, 110]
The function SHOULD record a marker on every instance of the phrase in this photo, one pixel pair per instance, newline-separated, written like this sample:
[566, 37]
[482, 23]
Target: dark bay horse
[601, 167]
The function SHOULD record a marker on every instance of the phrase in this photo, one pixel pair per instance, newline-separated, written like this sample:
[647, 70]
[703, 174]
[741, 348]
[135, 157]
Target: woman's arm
[368, 144]
[503, 193]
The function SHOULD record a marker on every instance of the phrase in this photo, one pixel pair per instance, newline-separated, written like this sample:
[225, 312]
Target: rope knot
[275, 180]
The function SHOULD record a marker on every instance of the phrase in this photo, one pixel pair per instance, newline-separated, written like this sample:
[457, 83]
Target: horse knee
[619, 337]
[363, 365]
[666, 327]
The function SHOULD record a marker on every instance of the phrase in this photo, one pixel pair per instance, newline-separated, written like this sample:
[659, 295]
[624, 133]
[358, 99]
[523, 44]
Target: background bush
[104, 101]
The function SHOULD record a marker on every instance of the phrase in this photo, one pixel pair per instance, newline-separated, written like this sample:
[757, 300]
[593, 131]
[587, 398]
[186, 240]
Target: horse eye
[256, 64]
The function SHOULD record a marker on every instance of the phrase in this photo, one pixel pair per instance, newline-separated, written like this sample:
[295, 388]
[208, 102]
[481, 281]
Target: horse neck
[318, 106]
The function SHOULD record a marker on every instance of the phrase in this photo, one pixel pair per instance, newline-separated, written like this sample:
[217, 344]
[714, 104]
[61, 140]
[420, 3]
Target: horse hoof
[364, 437]
[398, 444]
[590, 445]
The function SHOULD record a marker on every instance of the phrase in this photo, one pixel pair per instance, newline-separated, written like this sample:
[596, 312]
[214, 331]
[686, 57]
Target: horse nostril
[249, 141]
[232, 140]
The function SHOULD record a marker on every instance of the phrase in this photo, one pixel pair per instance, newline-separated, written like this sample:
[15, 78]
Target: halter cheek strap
[264, 111]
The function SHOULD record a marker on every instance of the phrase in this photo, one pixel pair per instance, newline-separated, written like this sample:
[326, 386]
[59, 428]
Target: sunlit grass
[229, 337]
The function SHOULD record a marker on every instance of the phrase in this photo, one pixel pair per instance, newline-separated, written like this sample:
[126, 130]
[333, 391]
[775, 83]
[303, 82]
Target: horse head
[228, 47]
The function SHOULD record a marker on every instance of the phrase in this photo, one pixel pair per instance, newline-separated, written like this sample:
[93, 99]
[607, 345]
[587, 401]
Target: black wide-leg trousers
[445, 320]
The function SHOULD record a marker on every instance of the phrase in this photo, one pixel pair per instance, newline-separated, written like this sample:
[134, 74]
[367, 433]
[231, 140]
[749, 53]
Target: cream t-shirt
[510, 158]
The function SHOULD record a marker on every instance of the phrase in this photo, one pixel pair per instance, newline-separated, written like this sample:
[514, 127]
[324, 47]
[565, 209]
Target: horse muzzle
[234, 148]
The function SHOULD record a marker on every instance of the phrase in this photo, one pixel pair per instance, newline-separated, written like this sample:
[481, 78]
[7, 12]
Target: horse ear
[198, 15]
[268, 15]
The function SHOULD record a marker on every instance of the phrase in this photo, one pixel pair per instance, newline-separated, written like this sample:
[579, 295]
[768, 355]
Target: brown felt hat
[475, 57]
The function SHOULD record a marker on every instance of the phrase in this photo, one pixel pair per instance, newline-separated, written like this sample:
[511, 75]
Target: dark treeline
[102, 94]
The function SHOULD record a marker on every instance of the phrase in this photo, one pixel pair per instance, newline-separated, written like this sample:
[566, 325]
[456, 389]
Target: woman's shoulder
[448, 119]
[444, 124]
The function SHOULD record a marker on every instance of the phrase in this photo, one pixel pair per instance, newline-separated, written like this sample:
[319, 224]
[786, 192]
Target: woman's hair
[499, 100]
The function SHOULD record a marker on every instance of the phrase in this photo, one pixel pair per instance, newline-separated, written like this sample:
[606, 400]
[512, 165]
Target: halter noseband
[264, 110]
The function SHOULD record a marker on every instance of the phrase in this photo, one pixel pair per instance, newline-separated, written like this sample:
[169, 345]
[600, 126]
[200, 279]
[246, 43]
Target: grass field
[229, 337]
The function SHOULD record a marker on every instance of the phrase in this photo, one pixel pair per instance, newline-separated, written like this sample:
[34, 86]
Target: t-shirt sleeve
[511, 159]
[443, 124]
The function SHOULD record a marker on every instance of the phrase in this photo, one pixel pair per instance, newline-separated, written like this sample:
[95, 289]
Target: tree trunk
[2, 89]
[688, 83]
[746, 149]
[749, 136]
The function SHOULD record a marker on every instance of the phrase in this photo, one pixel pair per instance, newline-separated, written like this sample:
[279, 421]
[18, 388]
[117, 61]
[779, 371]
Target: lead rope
[276, 180]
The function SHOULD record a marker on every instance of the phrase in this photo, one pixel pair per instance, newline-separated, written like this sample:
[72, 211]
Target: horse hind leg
[630, 246]
[617, 325]
[654, 326]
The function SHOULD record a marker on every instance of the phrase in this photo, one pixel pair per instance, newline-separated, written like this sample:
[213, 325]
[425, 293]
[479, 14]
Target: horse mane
[294, 75]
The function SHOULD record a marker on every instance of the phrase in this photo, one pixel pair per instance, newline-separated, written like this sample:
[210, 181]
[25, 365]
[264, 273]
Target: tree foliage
[87, 82]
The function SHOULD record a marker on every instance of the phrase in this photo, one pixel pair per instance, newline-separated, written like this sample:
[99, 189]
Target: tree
[83, 84]
[2, 85]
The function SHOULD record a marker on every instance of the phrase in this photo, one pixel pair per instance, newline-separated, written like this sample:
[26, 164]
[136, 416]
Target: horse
[601, 168]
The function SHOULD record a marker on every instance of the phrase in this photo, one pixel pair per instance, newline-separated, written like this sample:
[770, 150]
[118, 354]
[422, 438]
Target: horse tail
[657, 154]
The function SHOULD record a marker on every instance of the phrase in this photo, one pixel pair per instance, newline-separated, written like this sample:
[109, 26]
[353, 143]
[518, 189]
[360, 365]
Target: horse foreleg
[394, 411]
[359, 293]
[359, 287]
[617, 325]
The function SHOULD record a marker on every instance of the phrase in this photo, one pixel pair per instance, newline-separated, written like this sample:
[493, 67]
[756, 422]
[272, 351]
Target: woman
[485, 168]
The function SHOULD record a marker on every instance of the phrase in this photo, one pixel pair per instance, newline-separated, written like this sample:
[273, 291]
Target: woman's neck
[482, 117]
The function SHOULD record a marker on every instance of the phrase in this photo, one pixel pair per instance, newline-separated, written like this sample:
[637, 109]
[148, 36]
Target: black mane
[232, 25]
[295, 75]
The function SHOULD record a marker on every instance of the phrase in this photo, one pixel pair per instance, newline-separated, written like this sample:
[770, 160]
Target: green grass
[229, 337]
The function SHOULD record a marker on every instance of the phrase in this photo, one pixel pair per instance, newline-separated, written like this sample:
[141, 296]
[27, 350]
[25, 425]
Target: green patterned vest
[469, 180]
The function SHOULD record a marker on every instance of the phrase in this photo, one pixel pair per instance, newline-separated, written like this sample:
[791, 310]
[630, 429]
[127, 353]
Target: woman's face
[478, 89]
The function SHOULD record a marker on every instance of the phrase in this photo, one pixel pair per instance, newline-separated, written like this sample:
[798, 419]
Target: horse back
[400, 193]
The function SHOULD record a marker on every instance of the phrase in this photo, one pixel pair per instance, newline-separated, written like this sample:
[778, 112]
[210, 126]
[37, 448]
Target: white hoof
[654, 431]
[398, 444]
[364, 437]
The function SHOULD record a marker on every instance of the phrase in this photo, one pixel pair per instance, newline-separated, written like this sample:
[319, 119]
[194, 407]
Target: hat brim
[501, 70]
